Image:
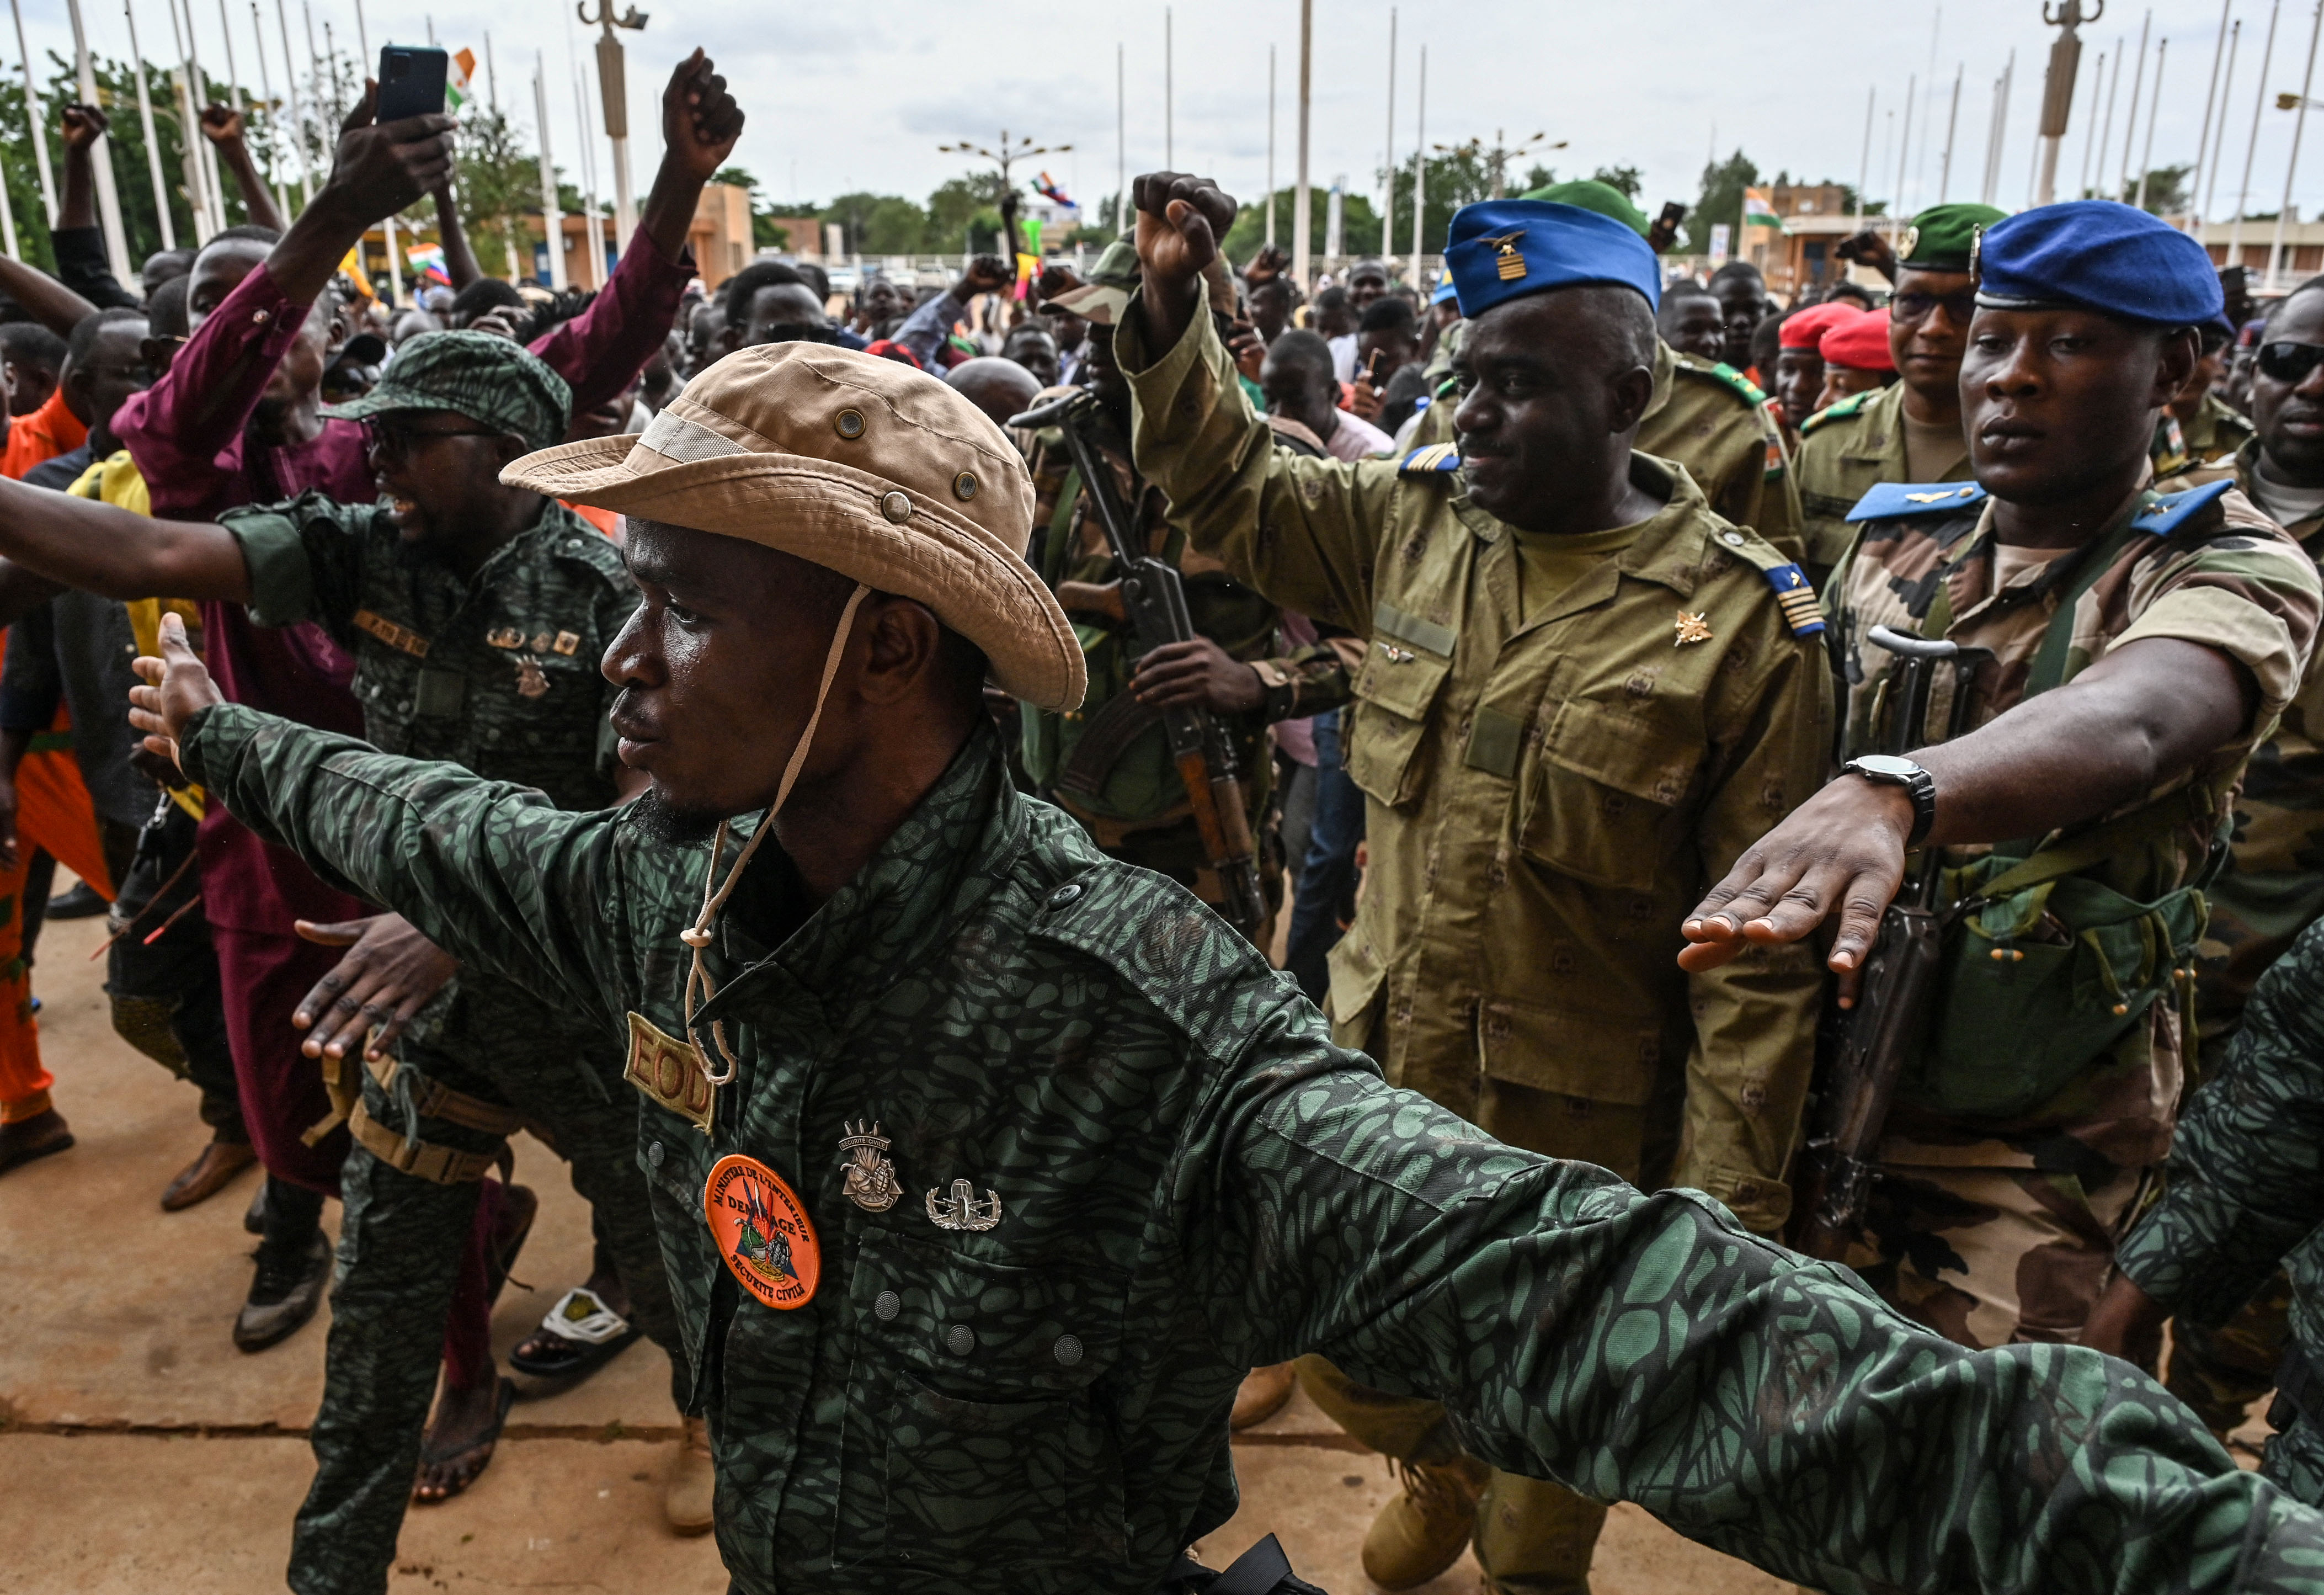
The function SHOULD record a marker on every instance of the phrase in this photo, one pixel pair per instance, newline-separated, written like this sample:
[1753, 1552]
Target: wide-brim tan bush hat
[866, 466]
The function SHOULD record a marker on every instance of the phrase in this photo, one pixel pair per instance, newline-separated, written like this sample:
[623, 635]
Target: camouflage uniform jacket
[2222, 576]
[1710, 418]
[1846, 450]
[2244, 1191]
[1145, 791]
[1546, 801]
[1192, 1180]
[2218, 431]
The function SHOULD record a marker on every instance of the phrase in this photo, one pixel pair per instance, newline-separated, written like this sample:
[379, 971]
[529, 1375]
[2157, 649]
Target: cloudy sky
[844, 98]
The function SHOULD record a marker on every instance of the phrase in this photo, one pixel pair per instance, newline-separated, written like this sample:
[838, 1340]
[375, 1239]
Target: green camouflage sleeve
[1311, 681]
[305, 558]
[2247, 1175]
[491, 872]
[1303, 532]
[1647, 1349]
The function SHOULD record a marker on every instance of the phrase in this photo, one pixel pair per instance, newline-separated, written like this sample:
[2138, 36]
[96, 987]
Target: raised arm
[925, 330]
[601, 351]
[222, 125]
[459, 260]
[115, 553]
[79, 245]
[1645, 1347]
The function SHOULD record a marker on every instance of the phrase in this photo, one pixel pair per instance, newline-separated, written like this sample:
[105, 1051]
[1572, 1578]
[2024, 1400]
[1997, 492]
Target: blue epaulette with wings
[1888, 500]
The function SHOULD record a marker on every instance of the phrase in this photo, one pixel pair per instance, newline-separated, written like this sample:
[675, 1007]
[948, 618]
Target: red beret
[1858, 341]
[1801, 332]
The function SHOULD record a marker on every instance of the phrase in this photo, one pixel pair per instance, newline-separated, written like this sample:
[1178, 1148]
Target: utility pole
[34, 118]
[2291, 165]
[1387, 205]
[1420, 174]
[100, 154]
[552, 220]
[1300, 218]
[613, 86]
[145, 122]
[2243, 195]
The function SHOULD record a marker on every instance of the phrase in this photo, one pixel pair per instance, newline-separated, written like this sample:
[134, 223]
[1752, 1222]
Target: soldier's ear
[1627, 395]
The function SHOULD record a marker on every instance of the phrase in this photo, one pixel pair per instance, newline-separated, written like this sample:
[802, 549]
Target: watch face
[1887, 764]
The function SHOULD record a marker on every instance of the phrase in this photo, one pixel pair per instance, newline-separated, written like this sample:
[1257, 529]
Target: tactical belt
[424, 1160]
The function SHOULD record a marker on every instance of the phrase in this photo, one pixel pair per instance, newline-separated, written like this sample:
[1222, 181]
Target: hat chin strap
[714, 892]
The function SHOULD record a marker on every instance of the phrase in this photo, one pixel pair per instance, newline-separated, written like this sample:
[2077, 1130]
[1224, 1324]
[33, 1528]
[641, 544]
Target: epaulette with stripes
[1795, 594]
[1889, 500]
[1436, 456]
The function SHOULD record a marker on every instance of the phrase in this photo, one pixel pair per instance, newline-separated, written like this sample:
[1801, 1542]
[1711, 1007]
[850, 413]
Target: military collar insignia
[2165, 512]
[1691, 628]
[762, 1232]
[1506, 261]
[872, 1182]
[1888, 500]
[962, 1210]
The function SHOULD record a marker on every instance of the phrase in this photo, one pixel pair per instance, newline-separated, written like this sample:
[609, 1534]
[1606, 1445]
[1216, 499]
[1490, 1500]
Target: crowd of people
[1297, 806]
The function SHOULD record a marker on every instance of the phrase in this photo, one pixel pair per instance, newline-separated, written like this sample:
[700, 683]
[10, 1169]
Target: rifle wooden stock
[1093, 597]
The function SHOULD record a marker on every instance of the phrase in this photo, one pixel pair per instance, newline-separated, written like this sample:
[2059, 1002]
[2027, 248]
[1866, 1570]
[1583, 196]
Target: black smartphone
[1665, 231]
[410, 82]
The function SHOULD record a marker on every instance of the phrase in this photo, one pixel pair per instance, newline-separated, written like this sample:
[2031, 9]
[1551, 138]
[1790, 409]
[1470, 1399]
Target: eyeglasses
[1918, 307]
[393, 440]
[2289, 362]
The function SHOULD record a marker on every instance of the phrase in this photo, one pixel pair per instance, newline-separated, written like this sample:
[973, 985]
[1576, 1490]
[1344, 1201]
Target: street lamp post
[1497, 157]
[1007, 154]
[2299, 102]
[613, 88]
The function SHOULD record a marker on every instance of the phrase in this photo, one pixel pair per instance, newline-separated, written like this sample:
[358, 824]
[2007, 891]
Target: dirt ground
[142, 1452]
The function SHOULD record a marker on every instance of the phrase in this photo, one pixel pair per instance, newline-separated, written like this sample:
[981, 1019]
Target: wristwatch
[1886, 769]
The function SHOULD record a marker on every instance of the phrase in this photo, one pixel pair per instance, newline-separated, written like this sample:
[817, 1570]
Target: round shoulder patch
[762, 1232]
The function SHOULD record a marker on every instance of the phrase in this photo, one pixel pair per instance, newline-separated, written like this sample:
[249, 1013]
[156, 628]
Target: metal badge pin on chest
[962, 1210]
[872, 1182]
[530, 681]
[1691, 628]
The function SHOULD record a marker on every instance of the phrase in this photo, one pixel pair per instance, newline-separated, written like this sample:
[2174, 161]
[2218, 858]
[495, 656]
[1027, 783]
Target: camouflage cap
[1590, 194]
[1940, 237]
[1106, 293]
[477, 375]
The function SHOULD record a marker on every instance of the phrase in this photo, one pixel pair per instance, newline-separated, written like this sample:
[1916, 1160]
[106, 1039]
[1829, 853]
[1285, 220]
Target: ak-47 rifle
[1153, 599]
[1882, 1036]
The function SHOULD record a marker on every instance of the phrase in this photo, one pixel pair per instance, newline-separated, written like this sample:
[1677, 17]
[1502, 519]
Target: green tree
[1359, 225]
[964, 213]
[878, 224]
[1457, 177]
[1623, 179]
[2166, 190]
[1721, 202]
[764, 233]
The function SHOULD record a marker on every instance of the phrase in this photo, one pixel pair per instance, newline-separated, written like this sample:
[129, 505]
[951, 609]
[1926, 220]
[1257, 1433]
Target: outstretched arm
[115, 553]
[222, 125]
[81, 263]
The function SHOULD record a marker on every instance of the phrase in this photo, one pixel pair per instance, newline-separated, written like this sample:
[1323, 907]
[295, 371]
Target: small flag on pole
[1759, 209]
[458, 71]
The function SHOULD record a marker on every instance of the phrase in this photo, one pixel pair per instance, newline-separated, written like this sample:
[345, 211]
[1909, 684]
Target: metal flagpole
[233, 73]
[1864, 167]
[1903, 153]
[1387, 207]
[7, 220]
[1952, 125]
[552, 220]
[2291, 163]
[145, 122]
[33, 118]
[2219, 145]
[2153, 109]
[1300, 218]
[1420, 172]
[291, 93]
[2106, 126]
[2210, 98]
[198, 192]
[2130, 110]
[387, 225]
[199, 85]
[108, 198]
[273, 112]
[1122, 226]
[1169, 98]
[1271, 146]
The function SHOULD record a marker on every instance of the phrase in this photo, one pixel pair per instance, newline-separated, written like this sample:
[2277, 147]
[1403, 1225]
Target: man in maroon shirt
[235, 421]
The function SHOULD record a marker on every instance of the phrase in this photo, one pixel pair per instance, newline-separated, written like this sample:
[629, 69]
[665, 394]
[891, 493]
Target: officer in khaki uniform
[1909, 431]
[1705, 414]
[1563, 730]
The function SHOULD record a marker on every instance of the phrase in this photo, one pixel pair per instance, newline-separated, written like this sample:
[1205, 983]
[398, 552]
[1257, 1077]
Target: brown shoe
[693, 1480]
[207, 1175]
[1423, 1532]
[27, 1138]
[1261, 1395]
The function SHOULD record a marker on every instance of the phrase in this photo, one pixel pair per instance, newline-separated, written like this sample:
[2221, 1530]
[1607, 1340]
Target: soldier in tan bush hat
[983, 1165]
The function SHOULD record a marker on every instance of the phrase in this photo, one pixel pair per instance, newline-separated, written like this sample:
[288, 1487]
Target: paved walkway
[142, 1452]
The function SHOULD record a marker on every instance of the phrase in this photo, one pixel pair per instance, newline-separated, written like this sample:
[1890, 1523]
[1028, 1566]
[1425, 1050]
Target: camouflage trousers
[1986, 1256]
[2219, 1372]
[400, 1242]
[1533, 1537]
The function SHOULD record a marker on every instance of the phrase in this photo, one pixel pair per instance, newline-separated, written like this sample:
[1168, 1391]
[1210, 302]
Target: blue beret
[2096, 255]
[1505, 249]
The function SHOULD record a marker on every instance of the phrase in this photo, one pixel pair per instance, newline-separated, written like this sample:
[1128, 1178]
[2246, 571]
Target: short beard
[666, 825]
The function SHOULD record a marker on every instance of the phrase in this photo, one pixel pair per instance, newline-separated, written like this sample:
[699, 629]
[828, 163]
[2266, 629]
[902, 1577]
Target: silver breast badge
[872, 1182]
[963, 1210]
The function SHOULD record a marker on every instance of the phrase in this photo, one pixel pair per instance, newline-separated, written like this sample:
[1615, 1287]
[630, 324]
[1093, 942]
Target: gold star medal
[1691, 628]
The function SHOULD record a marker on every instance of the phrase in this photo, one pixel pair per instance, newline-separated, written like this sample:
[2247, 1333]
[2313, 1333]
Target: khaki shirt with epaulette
[1846, 450]
[1708, 417]
[1546, 801]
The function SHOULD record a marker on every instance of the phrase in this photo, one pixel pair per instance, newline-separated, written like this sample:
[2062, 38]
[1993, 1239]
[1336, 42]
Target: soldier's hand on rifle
[1843, 851]
[1197, 675]
[389, 974]
[176, 688]
[1180, 221]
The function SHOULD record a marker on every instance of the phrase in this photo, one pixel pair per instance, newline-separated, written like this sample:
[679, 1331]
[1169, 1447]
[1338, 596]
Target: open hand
[222, 125]
[176, 688]
[1196, 673]
[83, 126]
[390, 972]
[700, 119]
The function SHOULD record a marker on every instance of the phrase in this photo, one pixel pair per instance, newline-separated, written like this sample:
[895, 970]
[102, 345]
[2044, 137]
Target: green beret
[1940, 237]
[1589, 194]
[477, 375]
